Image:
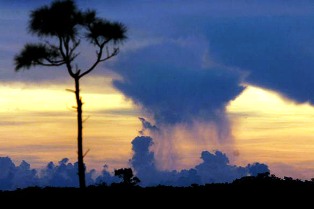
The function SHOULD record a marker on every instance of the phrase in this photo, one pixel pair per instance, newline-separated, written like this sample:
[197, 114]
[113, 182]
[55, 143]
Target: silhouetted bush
[126, 174]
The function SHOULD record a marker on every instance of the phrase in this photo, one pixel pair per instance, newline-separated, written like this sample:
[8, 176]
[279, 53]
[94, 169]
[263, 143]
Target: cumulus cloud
[106, 177]
[64, 174]
[12, 176]
[214, 168]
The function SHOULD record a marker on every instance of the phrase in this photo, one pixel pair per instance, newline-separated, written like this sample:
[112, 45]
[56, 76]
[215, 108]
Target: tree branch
[49, 65]
[55, 62]
[67, 60]
[114, 53]
[71, 52]
[61, 47]
[100, 59]
[70, 90]
[86, 153]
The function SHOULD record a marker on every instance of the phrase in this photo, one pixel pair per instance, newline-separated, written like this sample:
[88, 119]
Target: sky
[200, 78]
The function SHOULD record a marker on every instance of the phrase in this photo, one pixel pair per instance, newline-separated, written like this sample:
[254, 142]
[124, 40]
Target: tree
[61, 27]
[126, 174]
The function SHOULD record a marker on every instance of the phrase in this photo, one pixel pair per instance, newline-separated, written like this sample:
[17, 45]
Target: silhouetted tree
[126, 174]
[65, 26]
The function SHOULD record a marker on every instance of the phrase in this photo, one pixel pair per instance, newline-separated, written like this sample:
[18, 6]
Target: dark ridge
[263, 190]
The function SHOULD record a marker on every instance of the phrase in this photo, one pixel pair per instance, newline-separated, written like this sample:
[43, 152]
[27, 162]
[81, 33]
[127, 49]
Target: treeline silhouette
[259, 190]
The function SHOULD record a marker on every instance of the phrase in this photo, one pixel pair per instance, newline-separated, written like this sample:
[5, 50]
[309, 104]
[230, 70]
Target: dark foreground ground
[249, 192]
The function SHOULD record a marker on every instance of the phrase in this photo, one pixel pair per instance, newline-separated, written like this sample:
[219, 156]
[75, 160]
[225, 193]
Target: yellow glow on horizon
[56, 99]
[270, 129]
[38, 124]
[264, 101]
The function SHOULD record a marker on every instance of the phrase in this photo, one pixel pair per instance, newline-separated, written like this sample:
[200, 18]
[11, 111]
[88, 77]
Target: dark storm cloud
[214, 168]
[169, 81]
[277, 52]
[271, 40]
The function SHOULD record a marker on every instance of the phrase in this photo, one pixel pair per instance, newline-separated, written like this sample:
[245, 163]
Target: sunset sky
[235, 76]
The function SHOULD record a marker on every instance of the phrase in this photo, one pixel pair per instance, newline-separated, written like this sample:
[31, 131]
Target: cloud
[271, 41]
[106, 177]
[277, 52]
[214, 168]
[62, 175]
[174, 81]
[12, 177]
[178, 87]
[146, 125]
[169, 82]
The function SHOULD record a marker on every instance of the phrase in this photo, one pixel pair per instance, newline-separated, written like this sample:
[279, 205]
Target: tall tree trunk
[80, 160]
